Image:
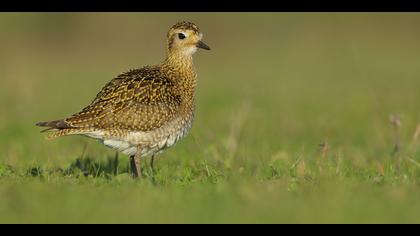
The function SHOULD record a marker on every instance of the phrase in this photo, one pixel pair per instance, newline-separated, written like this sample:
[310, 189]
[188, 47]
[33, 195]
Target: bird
[143, 111]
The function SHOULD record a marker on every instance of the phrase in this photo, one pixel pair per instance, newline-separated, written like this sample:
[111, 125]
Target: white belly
[149, 143]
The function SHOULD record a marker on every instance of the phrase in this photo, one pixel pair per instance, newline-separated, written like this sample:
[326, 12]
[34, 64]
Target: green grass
[274, 87]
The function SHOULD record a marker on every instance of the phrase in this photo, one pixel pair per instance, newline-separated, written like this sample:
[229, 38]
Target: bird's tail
[57, 127]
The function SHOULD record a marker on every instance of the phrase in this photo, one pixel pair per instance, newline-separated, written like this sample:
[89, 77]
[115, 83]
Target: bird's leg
[152, 161]
[135, 164]
[116, 163]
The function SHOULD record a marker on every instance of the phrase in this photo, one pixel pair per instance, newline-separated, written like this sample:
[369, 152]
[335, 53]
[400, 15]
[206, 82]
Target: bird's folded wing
[135, 100]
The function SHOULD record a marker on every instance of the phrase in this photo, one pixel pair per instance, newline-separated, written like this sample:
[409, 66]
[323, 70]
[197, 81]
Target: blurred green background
[273, 87]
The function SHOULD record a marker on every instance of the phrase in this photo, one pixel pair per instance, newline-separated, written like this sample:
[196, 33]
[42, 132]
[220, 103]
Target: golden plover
[143, 111]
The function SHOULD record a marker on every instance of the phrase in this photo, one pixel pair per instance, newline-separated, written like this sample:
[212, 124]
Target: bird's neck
[182, 70]
[180, 61]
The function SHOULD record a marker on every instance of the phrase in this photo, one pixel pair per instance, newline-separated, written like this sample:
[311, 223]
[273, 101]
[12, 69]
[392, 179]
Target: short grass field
[301, 118]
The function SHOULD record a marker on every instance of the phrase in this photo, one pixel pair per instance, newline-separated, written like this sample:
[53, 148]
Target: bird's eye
[181, 36]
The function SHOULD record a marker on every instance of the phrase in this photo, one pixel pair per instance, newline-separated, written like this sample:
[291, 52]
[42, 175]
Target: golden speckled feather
[141, 99]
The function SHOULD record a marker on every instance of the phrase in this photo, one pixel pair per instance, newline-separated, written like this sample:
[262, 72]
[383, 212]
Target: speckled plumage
[143, 111]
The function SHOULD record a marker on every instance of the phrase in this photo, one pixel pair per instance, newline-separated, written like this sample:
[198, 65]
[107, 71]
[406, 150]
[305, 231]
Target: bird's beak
[202, 45]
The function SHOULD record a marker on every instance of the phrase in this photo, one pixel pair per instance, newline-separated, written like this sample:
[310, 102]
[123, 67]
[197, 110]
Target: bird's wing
[141, 100]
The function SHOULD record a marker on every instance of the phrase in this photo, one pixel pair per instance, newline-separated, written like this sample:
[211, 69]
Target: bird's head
[184, 38]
